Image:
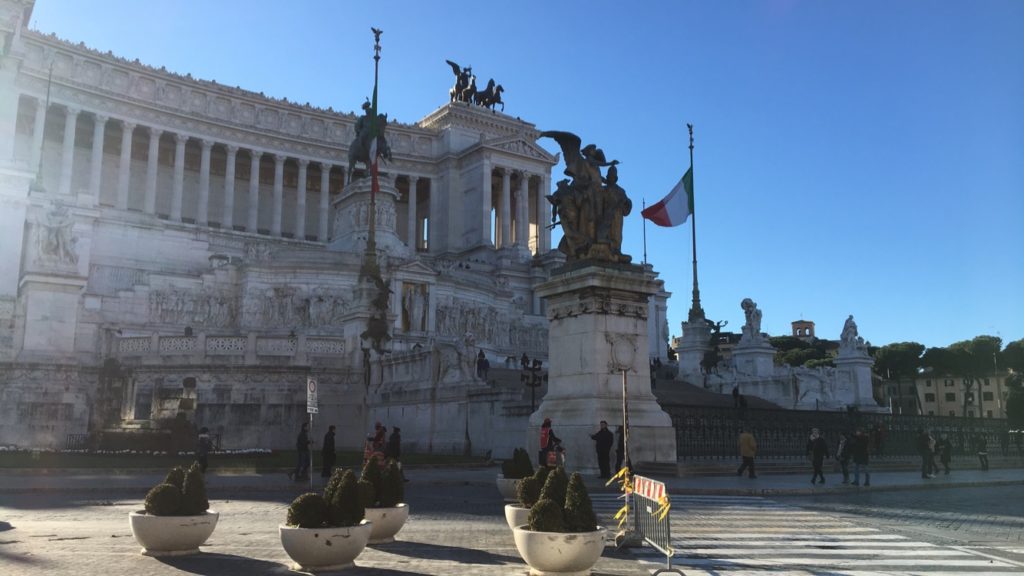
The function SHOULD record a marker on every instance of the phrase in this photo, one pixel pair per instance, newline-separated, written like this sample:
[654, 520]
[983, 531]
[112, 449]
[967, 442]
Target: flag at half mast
[676, 208]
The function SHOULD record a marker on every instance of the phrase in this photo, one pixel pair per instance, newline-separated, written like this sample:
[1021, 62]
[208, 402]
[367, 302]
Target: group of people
[854, 447]
[931, 448]
[552, 453]
[378, 445]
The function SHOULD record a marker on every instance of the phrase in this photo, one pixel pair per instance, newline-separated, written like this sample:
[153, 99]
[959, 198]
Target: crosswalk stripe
[800, 535]
[841, 563]
[800, 542]
[770, 552]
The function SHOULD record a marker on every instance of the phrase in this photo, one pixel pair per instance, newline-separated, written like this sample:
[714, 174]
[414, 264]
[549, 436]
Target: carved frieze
[597, 302]
[499, 328]
[206, 308]
[294, 307]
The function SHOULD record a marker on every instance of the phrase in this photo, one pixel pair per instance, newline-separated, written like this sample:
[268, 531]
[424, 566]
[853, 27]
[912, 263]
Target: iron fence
[712, 432]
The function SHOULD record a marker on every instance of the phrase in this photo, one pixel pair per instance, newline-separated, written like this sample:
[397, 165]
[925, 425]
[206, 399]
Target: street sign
[311, 401]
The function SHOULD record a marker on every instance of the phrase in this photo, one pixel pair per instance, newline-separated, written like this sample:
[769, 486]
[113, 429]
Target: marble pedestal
[352, 218]
[853, 372]
[695, 342]
[754, 356]
[597, 332]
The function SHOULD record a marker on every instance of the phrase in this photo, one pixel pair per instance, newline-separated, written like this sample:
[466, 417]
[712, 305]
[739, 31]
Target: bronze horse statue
[489, 97]
[359, 149]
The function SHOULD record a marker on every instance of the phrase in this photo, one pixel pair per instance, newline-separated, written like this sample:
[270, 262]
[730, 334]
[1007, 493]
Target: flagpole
[644, 204]
[696, 312]
[371, 242]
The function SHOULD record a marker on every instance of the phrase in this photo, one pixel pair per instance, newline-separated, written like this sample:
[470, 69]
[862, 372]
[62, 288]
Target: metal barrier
[647, 498]
[76, 442]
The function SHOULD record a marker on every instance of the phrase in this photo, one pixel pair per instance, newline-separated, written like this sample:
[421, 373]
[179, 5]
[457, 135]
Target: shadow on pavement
[215, 564]
[451, 553]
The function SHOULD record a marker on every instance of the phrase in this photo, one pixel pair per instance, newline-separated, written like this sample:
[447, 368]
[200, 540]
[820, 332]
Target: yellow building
[944, 396]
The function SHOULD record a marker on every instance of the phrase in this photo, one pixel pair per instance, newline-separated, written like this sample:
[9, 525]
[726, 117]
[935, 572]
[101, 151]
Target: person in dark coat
[203, 447]
[548, 442]
[302, 454]
[327, 455]
[861, 447]
[945, 451]
[394, 448]
[925, 452]
[620, 447]
[817, 449]
[843, 452]
[604, 439]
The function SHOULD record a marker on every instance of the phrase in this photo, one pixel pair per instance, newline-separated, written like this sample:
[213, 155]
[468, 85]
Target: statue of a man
[849, 334]
[752, 328]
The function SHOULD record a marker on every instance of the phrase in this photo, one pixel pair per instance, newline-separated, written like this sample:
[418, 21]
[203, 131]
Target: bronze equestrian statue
[359, 149]
[489, 97]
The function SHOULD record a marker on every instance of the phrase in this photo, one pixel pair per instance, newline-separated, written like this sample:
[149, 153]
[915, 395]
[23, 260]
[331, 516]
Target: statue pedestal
[853, 373]
[351, 226]
[598, 330]
[695, 342]
[754, 356]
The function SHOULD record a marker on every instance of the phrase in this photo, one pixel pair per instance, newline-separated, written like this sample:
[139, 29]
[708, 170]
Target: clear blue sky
[861, 158]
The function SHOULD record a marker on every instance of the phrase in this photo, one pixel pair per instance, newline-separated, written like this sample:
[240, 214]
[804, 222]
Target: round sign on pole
[311, 385]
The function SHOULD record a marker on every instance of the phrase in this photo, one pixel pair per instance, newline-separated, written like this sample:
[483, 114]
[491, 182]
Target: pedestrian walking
[843, 455]
[925, 453]
[549, 445]
[394, 449]
[603, 440]
[735, 396]
[817, 449]
[748, 450]
[945, 450]
[302, 443]
[620, 447]
[861, 449]
[934, 451]
[983, 453]
[203, 447]
[327, 454]
[743, 407]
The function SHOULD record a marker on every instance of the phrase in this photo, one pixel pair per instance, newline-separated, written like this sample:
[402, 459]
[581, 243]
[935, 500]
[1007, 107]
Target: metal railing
[656, 532]
[712, 432]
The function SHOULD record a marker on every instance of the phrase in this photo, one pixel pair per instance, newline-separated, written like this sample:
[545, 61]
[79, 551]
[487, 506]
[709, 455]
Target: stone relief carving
[108, 280]
[257, 252]
[207, 308]
[498, 328]
[55, 240]
[360, 215]
[623, 351]
[290, 306]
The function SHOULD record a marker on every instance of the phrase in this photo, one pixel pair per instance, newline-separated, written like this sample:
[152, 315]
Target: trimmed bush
[508, 469]
[333, 483]
[163, 500]
[194, 501]
[308, 511]
[524, 467]
[392, 486]
[528, 491]
[371, 473]
[555, 486]
[367, 494]
[346, 508]
[579, 510]
[176, 477]
[546, 516]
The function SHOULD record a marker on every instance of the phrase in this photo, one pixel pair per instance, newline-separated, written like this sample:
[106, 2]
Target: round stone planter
[324, 549]
[562, 554]
[171, 535]
[507, 487]
[386, 522]
[516, 515]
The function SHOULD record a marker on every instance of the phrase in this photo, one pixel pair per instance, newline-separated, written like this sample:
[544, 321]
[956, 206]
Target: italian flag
[374, 131]
[674, 209]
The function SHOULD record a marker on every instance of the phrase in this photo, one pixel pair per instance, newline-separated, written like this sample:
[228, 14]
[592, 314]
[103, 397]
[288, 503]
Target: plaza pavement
[75, 522]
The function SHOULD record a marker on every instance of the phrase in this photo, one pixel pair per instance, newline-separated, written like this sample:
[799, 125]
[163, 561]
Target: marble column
[544, 215]
[96, 162]
[523, 211]
[179, 176]
[152, 163]
[37, 133]
[228, 220]
[203, 210]
[68, 152]
[486, 201]
[125, 166]
[254, 191]
[278, 200]
[506, 207]
[412, 220]
[300, 209]
[325, 193]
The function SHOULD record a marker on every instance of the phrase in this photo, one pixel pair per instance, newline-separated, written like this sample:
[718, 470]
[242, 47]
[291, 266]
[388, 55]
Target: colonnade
[526, 227]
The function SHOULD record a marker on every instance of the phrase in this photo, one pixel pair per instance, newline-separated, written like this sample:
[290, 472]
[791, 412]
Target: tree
[1012, 356]
[939, 360]
[1015, 402]
[899, 360]
[974, 359]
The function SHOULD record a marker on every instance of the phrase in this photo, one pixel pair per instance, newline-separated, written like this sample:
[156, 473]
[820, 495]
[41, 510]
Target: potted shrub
[528, 491]
[512, 470]
[382, 493]
[562, 535]
[176, 519]
[326, 532]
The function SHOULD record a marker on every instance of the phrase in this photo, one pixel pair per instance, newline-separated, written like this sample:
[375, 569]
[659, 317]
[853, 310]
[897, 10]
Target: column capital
[280, 158]
[231, 148]
[181, 139]
[326, 166]
[255, 153]
[72, 111]
[128, 125]
[303, 162]
[207, 144]
[100, 118]
[155, 132]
